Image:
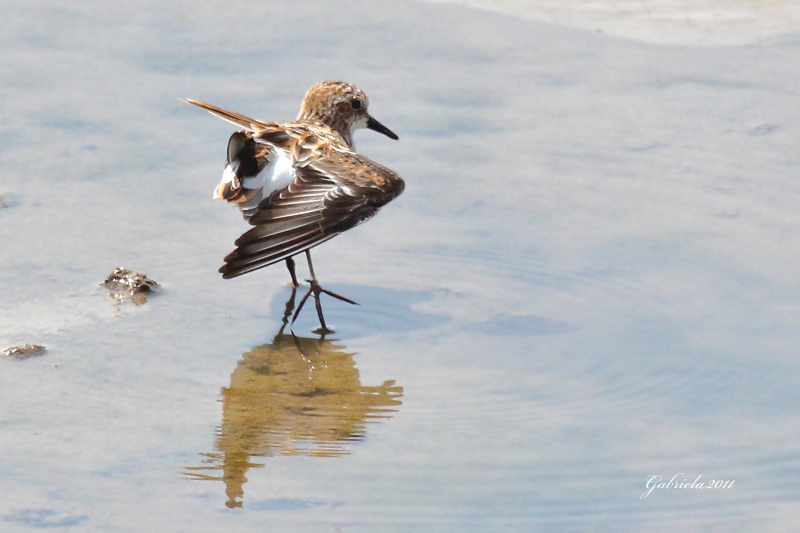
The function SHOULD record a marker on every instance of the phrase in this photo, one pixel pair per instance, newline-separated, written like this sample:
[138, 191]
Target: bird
[301, 183]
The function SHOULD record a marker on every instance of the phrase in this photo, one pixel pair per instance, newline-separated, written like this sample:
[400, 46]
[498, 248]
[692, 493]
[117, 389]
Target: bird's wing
[252, 170]
[246, 160]
[334, 190]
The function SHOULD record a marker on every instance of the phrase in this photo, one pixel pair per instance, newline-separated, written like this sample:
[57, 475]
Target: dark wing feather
[331, 194]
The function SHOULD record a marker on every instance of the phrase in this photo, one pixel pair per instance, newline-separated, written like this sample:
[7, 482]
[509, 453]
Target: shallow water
[590, 279]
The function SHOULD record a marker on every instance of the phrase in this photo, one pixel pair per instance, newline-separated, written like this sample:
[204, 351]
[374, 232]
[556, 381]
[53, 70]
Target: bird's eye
[356, 103]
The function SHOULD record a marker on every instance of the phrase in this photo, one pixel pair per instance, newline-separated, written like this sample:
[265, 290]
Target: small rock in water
[23, 351]
[124, 283]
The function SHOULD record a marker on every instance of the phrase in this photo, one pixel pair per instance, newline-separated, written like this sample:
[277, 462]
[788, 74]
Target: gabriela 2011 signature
[657, 482]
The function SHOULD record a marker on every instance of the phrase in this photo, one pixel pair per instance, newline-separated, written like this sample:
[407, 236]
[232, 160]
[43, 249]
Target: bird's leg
[317, 290]
[290, 266]
[314, 283]
[287, 312]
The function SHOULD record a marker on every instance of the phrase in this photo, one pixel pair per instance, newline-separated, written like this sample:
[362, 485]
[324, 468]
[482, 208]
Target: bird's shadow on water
[302, 395]
[385, 311]
[380, 311]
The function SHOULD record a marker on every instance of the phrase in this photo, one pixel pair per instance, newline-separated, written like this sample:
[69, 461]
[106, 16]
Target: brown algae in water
[125, 284]
[24, 350]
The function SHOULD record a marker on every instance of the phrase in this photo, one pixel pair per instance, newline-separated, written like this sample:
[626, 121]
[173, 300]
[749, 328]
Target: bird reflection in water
[294, 396]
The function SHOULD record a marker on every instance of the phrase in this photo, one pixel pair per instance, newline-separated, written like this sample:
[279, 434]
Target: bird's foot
[317, 290]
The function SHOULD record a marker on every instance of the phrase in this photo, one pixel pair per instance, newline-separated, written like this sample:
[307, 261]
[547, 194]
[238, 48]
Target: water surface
[590, 279]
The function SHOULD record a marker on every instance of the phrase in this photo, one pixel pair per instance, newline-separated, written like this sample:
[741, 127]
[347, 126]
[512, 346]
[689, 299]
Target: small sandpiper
[301, 183]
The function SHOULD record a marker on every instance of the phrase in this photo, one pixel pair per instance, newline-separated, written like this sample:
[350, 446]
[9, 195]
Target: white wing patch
[278, 174]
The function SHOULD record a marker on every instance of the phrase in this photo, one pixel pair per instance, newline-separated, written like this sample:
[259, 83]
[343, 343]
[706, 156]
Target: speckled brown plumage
[330, 188]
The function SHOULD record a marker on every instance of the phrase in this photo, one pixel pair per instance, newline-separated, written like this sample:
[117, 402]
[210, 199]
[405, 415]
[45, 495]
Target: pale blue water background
[591, 278]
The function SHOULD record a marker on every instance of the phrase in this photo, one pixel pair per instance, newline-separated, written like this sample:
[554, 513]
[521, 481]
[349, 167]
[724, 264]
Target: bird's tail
[247, 123]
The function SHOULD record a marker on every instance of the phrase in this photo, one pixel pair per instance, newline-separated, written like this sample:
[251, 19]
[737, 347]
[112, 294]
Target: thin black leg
[317, 290]
[290, 266]
[287, 312]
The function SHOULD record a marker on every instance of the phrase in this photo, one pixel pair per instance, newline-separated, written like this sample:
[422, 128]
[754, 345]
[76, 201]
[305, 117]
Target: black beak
[374, 125]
